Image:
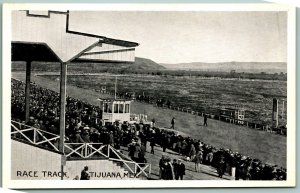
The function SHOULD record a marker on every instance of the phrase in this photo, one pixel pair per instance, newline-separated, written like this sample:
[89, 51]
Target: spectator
[131, 149]
[220, 167]
[180, 169]
[152, 144]
[162, 167]
[111, 138]
[192, 152]
[205, 120]
[184, 147]
[172, 123]
[78, 138]
[164, 142]
[198, 160]
[84, 174]
[153, 122]
[86, 136]
[169, 170]
[210, 157]
[137, 152]
[175, 168]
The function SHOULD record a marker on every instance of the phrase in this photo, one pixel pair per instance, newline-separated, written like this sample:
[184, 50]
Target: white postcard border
[6, 93]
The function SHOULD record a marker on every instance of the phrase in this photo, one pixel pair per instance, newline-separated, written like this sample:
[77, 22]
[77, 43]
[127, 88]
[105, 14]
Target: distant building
[234, 115]
[115, 110]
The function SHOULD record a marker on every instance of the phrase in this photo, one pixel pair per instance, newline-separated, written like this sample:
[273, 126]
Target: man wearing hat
[220, 166]
[162, 167]
[169, 170]
[180, 170]
[131, 149]
[84, 174]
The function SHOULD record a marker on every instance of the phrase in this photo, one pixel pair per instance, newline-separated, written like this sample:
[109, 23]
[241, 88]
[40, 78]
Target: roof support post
[27, 90]
[62, 118]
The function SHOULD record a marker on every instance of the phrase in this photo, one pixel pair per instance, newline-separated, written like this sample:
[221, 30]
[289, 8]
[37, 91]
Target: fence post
[34, 135]
[108, 150]
[135, 168]
[85, 150]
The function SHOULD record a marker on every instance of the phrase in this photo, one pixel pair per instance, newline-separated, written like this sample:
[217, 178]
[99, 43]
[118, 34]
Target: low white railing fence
[49, 140]
[34, 136]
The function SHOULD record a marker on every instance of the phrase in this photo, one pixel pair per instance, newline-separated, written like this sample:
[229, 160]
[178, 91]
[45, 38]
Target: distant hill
[250, 67]
[139, 65]
[146, 64]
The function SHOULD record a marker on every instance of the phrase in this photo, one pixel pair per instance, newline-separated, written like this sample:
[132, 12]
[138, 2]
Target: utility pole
[116, 87]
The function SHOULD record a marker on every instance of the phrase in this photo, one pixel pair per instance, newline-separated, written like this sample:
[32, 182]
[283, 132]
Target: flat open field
[267, 147]
[199, 94]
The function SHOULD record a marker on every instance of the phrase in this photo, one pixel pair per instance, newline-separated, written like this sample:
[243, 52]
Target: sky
[186, 36]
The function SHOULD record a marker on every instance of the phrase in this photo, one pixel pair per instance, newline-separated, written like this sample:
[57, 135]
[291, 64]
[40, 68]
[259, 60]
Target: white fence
[78, 150]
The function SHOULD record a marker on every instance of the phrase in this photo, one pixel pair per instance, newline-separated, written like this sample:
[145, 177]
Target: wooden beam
[62, 119]
[27, 90]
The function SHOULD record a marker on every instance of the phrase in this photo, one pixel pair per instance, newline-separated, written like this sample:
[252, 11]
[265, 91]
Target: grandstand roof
[47, 37]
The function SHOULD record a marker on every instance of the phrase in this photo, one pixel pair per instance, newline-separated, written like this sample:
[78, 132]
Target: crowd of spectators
[224, 160]
[169, 170]
[83, 125]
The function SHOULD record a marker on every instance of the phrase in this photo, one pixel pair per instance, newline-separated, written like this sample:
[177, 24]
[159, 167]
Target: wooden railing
[133, 167]
[33, 135]
[84, 150]
[43, 138]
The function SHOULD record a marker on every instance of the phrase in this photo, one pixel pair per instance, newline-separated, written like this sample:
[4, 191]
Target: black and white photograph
[149, 95]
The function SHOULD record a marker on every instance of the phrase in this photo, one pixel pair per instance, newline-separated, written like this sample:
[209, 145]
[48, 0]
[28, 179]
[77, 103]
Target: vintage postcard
[148, 95]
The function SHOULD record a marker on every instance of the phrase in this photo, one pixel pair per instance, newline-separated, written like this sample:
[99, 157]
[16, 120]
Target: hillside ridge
[253, 67]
